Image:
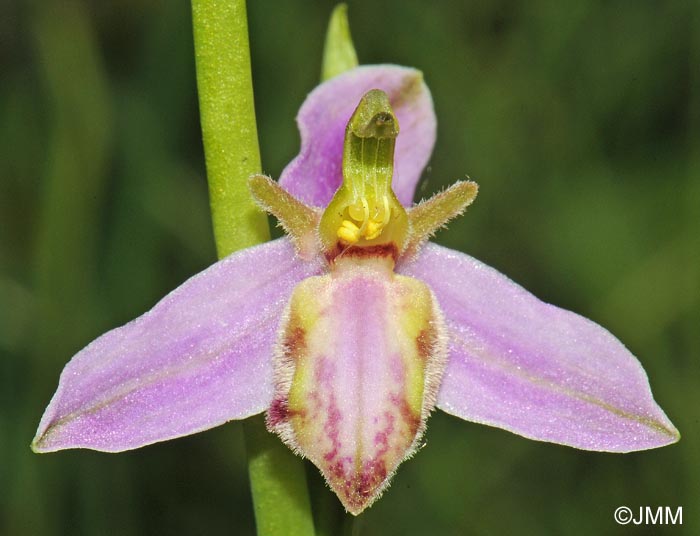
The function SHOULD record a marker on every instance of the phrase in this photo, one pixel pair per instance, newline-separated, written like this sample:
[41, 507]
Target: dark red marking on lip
[357, 485]
[426, 342]
[293, 346]
[280, 412]
[294, 343]
[331, 427]
[372, 475]
[323, 406]
[381, 438]
[337, 470]
[378, 250]
[359, 488]
[412, 420]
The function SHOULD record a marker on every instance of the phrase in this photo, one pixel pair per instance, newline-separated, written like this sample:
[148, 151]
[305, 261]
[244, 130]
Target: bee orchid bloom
[349, 331]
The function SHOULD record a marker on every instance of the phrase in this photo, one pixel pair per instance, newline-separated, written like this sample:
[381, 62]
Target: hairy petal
[533, 368]
[356, 374]
[316, 173]
[200, 357]
[298, 220]
[432, 214]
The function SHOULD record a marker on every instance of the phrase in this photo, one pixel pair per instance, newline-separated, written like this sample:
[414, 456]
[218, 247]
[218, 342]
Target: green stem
[224, 82]
[227, 113]
[278, 484]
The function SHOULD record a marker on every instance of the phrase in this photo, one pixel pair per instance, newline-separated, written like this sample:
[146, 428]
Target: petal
[357, 374]
[534, 369]
[200, 357]
[316, 173]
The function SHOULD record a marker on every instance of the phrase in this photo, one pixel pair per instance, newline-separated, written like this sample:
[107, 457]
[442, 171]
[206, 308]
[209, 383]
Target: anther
[348, 232]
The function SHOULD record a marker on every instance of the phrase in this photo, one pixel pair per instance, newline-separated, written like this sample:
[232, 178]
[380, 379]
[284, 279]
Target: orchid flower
[350, 330]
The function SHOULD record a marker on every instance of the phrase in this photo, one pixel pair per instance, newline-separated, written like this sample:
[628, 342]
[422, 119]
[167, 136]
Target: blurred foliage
[580, 121]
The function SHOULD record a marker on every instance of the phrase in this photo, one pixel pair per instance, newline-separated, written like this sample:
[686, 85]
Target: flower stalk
[229, 132]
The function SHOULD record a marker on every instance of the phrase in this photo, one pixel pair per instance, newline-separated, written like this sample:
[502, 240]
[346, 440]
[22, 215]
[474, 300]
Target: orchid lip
[357, 368]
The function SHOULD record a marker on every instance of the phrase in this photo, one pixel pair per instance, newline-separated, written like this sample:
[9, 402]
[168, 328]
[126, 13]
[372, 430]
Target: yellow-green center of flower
[366, 221]
[364, 211]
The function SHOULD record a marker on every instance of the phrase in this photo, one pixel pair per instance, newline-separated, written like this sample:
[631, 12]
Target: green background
[579, 120]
